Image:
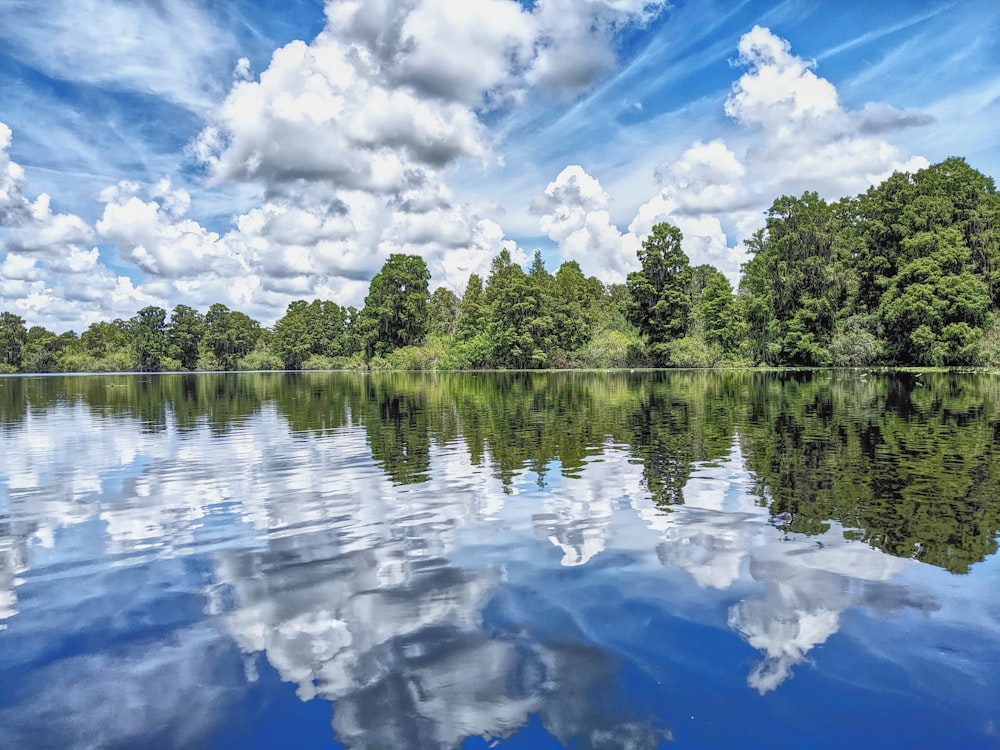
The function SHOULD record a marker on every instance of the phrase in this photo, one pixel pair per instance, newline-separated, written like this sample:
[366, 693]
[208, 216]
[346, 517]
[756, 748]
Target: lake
[518, 560]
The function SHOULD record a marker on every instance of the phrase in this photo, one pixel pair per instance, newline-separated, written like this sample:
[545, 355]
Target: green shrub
[606, 349]
[693, 351]
[426, 357]
[857, 342]
[470, 354]
[114, 362]
[318, 362]
[260, 360]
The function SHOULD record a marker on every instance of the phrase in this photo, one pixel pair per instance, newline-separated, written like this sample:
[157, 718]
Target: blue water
[259, 581]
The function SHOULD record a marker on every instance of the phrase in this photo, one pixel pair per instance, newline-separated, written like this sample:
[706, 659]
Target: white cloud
[369, 114]
[707, 178]
[20, 268]
[806, 138]
[349, 134]
[157, 236]
[388, 89]
[308, 240]
[13, 205]
[439, 40]
[575, 40]
[321, 112]
[241, 71]
[573, 212]
[779, 89]
[46, 232]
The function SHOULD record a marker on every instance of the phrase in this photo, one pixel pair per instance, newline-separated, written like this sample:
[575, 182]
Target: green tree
[935, 308]
[395, 312]
[328, 323]
[574, 298]
[147, 332]
[443, 312]
[184, 334]
[472, 310]
[518, 325]
[471, 346]
[539, 306]
[229, 335]
[103, 337]
[660, 292]
[716, 308]
[354, 342]
[317, 328]
[13, 339]
[44, 350]
[947, 194]
[798, 280]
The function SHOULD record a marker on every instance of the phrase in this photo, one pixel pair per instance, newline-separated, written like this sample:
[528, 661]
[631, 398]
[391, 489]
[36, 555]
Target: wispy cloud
[171, 48]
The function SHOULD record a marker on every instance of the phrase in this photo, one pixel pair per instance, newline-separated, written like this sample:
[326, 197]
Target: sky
[164, 152]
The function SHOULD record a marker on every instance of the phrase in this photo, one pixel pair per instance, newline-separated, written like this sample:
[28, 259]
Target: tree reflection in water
[363, 531]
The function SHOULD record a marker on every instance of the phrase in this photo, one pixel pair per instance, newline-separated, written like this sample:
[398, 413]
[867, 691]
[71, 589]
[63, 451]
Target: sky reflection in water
[411, 562]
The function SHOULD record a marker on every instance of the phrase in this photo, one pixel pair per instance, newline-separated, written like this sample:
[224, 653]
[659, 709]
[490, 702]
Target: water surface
[523, 560]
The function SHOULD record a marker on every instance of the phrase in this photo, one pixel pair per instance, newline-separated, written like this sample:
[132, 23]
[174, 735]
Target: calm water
[686, 559]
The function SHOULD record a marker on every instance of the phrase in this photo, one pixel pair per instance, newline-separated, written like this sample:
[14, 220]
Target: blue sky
[177, 151]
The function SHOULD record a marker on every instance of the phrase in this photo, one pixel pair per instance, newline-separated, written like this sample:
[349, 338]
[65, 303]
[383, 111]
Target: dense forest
[907, 273]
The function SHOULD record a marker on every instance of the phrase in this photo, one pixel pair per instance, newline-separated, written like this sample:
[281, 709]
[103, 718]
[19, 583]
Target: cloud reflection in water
[722, 533]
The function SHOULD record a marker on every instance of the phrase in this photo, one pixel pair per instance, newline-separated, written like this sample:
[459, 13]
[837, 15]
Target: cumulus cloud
[704, 186]
[349, 135]
[158, 237]
[389, 89]
[573, 212]
[806, 137]
[779, 89]
[318, 113]
[706, 178]
[44, 232]
[575, 43]
[438, 41]
[308, 239]
[13, 205]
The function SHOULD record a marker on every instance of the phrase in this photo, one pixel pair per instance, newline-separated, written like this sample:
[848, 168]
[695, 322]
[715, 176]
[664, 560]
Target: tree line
[907, 273]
